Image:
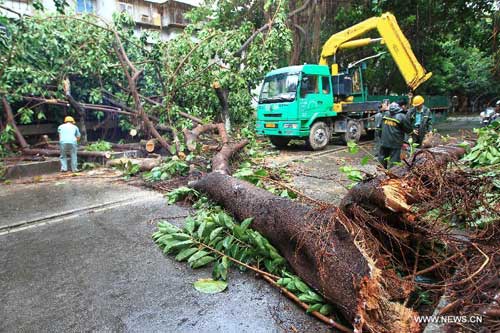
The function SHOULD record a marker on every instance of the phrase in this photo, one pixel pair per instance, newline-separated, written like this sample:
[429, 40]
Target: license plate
[270, 125]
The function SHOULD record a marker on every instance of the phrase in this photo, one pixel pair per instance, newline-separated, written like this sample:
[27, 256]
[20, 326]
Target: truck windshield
[279, 88]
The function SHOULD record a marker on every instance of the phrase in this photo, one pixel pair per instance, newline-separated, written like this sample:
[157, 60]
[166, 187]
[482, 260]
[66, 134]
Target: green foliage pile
[128, 169]
[213, 237]
[486, 152]
[100, 145]
[168, 169]
[259, 176]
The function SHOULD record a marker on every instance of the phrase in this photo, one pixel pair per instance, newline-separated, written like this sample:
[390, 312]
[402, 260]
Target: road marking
[67, 215]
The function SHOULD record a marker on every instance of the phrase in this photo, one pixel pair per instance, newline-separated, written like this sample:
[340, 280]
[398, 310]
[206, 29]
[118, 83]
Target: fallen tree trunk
[56, 152]
[328, 248]
[321, 249]
[395, 191]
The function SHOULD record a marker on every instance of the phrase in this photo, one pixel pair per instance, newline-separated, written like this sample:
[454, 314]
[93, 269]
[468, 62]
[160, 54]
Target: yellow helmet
[69, 119]
[418, 100]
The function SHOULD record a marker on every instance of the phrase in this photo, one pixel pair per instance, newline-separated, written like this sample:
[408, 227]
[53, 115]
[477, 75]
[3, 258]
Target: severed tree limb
[220, 162]
[222, 94]
[192, 135]
[132, 78]
[12, 122]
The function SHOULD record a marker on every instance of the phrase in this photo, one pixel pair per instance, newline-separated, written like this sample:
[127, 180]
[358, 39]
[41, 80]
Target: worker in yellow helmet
[69, 136]
[420, 118]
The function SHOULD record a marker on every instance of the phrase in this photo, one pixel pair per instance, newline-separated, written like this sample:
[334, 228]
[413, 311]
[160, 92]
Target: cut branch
[192, 135]
[220, 162]
[132, 85]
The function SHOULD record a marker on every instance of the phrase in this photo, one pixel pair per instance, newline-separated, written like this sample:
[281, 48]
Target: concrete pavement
[77, 256]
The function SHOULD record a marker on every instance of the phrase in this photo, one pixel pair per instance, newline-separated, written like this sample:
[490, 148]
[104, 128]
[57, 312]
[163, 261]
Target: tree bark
[145, 164]
[12, 122]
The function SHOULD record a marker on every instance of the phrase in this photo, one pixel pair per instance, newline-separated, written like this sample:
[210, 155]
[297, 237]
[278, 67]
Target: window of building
[126, 7]
[17, 5]
[85, 6]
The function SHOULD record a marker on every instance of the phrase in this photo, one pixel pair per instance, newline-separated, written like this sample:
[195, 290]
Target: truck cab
[292, 100]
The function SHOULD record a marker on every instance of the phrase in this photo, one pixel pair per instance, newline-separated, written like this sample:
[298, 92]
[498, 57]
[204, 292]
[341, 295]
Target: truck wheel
[319, 136]
[353, 131]
[279, 141]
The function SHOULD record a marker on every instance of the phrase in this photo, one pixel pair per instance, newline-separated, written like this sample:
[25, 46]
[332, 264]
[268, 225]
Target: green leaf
[302, 286]
[365, 160]
[314, 307]
[352, 147]
[189, 225]
[225, 262]
[283, 282]
[227, 242]
[215, 233]
[181, 236]
[202, 261]
[198, 255]
[209, 286]
[201, 229]
[246, 223]
[186, 253]
[326, 309]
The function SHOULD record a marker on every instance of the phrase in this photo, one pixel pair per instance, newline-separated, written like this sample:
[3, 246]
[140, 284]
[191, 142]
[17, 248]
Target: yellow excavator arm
[392, 36]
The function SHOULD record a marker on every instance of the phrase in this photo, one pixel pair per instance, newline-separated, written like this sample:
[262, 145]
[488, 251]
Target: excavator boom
[392, 36]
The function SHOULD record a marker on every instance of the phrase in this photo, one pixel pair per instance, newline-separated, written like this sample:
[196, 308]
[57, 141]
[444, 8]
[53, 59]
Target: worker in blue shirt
[69, 136]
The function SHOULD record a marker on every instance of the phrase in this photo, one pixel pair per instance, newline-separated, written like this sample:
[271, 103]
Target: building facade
[165, 16]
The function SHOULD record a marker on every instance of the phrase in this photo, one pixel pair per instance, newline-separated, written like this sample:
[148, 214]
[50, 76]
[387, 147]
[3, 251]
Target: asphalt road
[77, 256]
